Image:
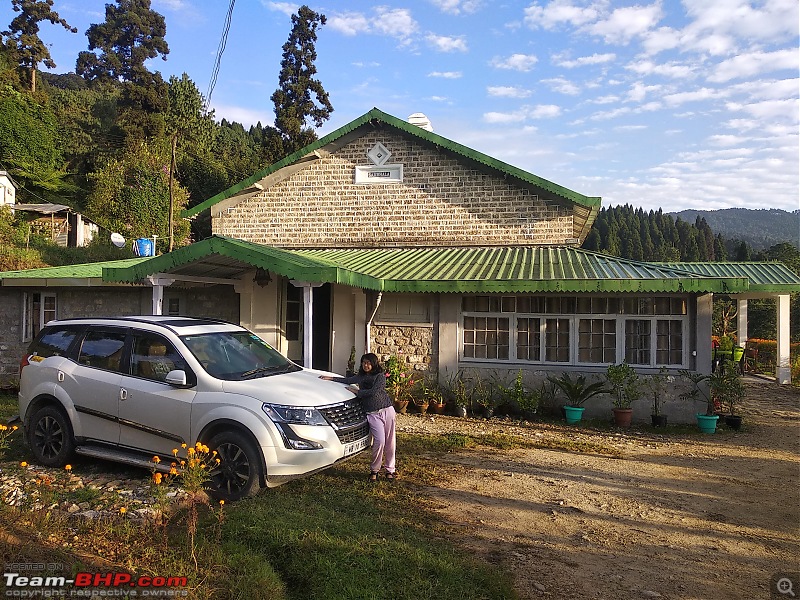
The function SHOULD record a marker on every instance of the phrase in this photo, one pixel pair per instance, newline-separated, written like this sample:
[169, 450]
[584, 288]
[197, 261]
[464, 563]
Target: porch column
[741, 322]
[158, 284]
[783, 370]
[702, 343]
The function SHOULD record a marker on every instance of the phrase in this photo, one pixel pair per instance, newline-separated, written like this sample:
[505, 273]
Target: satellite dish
[117, 240]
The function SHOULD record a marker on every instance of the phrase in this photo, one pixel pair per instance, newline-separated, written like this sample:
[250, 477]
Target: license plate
[356, 446]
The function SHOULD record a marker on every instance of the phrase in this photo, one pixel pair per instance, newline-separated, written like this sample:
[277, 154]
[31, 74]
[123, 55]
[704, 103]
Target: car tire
[239, 472]
[50, 437]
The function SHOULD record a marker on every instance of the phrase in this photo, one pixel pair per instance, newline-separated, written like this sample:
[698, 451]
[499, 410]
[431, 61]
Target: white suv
[126, 389]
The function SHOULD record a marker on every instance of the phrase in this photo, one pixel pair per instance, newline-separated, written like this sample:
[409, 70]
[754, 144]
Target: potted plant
[700, 391]
[399, 383]
[623, 381]
[655, 386]
[434, 394]
[351, 363]
[460, 394]
[483, 398]
[519, 398]
[577, 393]
[728, 390]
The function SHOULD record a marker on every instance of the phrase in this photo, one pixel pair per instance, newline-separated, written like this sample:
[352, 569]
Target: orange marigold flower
[23, 464]
[183, 446]
[123, 510]
[175, 451]
[68, 467]
[157, 478]
[14, 428]
[190, 451]
[173, 471]
[222, 502]
[156, 459]
[183, 463]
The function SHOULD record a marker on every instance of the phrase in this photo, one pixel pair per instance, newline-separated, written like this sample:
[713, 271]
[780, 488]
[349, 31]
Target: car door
[93, 383]
[154, 416]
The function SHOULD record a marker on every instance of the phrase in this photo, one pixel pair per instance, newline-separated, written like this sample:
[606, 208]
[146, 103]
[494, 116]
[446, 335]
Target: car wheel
[239, 472]
[50, 437]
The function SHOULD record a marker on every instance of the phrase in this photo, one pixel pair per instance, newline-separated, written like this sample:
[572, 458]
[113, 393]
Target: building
[384, 236]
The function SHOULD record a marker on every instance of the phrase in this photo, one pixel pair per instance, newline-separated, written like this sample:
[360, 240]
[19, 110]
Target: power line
[220, 49]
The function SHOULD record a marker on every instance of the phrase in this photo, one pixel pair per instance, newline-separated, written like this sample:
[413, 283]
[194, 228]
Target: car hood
[301, 388]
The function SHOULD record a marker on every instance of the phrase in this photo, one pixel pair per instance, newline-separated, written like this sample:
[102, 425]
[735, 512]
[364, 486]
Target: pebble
[650, 594]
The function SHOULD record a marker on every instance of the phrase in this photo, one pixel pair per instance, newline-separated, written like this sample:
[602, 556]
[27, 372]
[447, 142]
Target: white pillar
[783, 370]
[702, 343]
[158, 284]
[741, 322]
[308, 315]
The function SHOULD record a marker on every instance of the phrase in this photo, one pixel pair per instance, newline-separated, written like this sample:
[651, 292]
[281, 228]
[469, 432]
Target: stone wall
[218, 302]
[440, 201]
[414, 343]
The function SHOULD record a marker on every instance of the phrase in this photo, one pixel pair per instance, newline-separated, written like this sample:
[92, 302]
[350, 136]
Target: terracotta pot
[401, 406]
[623, 416]
[438, 408]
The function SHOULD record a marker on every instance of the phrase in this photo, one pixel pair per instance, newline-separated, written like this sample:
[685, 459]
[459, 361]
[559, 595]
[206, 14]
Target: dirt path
[690, 517]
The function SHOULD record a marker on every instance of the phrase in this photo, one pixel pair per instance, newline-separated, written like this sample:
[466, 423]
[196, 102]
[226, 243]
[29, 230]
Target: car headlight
[295, 415]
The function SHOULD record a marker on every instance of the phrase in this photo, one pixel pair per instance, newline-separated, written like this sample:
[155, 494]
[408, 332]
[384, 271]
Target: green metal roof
[80, 271]
[376, 116]
[773, 277]
[467, 270]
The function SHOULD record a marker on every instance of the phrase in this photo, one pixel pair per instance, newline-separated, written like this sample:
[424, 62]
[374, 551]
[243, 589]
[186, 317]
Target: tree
[23, 34]
[130, 35]
[131, 195]
[294, 105]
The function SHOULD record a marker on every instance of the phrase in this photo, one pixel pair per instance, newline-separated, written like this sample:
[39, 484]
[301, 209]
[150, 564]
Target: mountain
[761, 228]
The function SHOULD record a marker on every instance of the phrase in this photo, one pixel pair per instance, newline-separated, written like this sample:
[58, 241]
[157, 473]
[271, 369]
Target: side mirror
[176, 378]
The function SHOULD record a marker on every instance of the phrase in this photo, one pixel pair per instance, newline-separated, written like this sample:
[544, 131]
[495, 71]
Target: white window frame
[43, 315]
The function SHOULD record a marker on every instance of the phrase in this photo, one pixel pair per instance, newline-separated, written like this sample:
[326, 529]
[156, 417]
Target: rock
[650, 594]
[539, 587]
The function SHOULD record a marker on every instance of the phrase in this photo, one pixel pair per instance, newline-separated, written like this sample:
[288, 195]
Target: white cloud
[700, 95]
[755, 63]
[557, 13]
[396, 23]
[445, 43]
[506, 91]
[623, 24]
[594, 59]
[541, 111]
[515, 62]
[630, 127]
[725, 140]
[245, 116]
[456, 7]
[446, 74]
[639, 91]
[287, 8]
[744, 19]
[349, 23]
[562, 86]
[504, 118]
[672, 70]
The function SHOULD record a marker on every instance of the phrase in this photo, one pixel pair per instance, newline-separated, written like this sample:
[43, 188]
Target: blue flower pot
[707, 423]
[573, 414]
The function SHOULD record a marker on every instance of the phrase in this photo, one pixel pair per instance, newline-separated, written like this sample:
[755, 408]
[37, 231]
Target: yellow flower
[218, 461]
[3, 427]
[222, 502]
[14, 428]
[173, 471]
[123, 510]
[157, 478]
[190, 451]
[183, 463]
[198, 445]
[156, 460]
[23, 464]
[68, 467]
[183, 446]
[175, 451]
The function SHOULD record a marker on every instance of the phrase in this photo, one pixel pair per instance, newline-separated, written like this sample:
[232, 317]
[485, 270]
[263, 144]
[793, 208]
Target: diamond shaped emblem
[378, 154]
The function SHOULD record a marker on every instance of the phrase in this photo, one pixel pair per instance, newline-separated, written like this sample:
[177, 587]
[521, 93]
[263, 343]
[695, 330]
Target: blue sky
[672, 105]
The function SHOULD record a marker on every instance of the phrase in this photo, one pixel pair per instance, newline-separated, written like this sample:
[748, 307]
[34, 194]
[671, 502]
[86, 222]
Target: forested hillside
[759, 228]
[116, 142]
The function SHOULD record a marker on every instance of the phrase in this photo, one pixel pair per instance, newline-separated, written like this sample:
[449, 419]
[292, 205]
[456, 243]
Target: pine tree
[294, 105]
[23, 35]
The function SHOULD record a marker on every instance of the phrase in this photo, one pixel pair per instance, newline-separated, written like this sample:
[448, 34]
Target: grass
[330, 536]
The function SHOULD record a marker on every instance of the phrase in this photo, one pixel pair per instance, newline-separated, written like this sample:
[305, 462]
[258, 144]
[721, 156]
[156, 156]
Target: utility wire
[220, 49]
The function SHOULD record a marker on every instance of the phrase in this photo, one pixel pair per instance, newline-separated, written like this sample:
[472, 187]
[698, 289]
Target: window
[589, 330]
[174, 307]
[54, 342]
[294, 313]
[38, 309]
[102, 349]
[153, 357]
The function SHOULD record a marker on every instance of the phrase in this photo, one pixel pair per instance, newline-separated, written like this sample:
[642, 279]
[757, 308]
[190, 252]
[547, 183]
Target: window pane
[102, 349]
[597, 341]
[528, 339]
[509, 304]
[637, 342]
[486, 337]
[669, 342]
[556, 340]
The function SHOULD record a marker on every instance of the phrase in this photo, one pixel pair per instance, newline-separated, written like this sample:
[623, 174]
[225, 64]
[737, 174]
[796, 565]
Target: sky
[655, 104]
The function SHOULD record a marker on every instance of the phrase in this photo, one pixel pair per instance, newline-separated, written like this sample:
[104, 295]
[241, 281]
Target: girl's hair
[376, 366]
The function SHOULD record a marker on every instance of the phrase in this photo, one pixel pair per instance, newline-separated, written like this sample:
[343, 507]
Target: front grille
[345, 415]
[348, 420]
[351, 435]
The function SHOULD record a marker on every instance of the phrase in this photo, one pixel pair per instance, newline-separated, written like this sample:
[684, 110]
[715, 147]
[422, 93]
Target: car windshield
[236, 355]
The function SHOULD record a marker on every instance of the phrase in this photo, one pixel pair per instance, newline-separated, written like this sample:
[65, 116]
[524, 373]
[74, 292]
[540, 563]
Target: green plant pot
[707, 423]
[573, 414]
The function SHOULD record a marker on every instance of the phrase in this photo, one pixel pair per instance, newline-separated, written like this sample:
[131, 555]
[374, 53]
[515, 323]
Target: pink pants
[381, 426]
